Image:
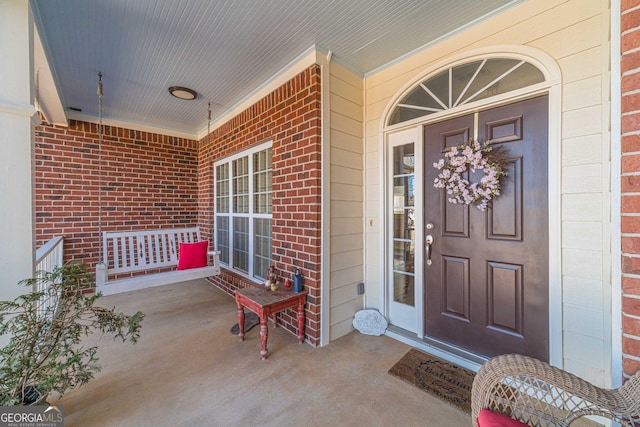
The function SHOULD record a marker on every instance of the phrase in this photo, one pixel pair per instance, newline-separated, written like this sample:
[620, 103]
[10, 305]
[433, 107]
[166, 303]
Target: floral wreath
[472, 156]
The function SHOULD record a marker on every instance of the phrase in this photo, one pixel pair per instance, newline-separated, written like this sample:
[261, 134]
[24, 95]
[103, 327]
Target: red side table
[265, 303]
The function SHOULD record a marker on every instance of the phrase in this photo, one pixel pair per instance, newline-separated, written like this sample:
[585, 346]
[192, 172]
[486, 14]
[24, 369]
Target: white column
[16, 148]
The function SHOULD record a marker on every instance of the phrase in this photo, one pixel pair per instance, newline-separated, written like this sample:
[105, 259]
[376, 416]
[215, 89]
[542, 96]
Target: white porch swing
[133, 260]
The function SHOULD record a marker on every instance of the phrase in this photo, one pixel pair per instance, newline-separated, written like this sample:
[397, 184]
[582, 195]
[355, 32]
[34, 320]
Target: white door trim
[616, 194]
[412, 135]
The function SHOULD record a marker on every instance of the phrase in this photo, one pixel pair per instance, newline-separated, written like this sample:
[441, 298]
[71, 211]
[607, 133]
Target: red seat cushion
[192, 255]
[488, 418]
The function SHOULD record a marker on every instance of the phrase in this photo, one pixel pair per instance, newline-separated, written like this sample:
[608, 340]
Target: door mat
[445, 380]
[250, 320]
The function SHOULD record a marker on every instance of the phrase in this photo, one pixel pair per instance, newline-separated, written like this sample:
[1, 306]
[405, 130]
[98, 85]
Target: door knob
[428, 243]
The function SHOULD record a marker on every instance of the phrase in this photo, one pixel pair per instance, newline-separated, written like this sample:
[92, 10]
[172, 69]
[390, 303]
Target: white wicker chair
[542, 395]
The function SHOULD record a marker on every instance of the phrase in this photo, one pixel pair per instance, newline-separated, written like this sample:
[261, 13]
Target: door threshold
[445, 351]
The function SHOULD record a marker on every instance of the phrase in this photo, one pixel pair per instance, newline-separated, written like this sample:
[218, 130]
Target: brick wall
[290, 118]
[630, 203]
[157, 181]
[148, 181]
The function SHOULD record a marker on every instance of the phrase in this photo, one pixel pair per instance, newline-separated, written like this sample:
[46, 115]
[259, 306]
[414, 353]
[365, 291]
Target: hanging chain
[100, 166]
[208, 121]
[212, 221]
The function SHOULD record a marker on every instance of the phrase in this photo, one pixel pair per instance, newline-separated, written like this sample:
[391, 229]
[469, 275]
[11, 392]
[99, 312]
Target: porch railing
[48, 257]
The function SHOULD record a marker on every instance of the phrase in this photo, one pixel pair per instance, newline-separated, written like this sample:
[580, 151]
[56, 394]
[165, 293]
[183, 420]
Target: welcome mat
[445, 380]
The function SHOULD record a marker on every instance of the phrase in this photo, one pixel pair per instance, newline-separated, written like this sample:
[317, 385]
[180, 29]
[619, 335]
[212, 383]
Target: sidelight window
[404, 224]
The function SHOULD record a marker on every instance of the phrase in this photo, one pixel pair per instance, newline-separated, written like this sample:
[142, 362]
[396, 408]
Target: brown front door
[486, 289]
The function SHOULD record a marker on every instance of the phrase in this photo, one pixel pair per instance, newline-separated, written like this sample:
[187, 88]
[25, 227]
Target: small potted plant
[45, 353]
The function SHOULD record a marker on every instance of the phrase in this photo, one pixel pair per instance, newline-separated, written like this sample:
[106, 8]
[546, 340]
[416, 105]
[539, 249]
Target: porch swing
[133, 260]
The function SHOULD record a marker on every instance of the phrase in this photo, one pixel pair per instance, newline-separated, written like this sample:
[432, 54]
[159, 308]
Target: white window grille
[243, 211]
[463, 84]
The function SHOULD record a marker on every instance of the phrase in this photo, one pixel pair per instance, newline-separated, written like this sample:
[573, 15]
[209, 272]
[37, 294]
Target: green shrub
[45, 353]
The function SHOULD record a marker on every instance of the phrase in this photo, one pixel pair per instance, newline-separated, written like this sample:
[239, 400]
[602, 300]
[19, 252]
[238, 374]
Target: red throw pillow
[193, 255]
[488, 418]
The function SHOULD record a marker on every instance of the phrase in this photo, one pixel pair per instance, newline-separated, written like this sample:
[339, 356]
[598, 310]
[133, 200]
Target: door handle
[429, 242]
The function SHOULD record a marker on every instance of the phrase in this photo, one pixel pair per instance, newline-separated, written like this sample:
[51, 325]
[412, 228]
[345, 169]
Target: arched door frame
[552, 86]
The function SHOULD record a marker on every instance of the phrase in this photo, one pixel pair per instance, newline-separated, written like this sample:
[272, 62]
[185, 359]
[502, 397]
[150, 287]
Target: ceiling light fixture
[183, 92]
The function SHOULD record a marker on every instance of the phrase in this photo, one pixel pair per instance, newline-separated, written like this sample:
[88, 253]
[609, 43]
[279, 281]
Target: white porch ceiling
[223, 49]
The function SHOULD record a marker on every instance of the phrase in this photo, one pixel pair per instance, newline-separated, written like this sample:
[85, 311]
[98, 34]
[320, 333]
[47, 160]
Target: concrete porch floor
[188, 370]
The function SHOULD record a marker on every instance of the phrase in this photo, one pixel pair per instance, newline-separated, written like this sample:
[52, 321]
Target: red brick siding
[148, 181]
[630, 184]
[155, 181]
[290, 118]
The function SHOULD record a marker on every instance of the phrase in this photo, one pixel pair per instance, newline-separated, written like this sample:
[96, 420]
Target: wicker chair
[541, 395]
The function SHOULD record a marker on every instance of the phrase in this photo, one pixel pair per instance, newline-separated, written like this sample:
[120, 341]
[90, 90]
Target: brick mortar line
[631, 356]
[631, 92]
[631, 133]
[635, 29]
[629, 10]
[631, 316]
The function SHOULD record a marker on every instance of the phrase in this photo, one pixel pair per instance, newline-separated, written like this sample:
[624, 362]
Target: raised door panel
[505, 298]
[455, 298]
[506, 216]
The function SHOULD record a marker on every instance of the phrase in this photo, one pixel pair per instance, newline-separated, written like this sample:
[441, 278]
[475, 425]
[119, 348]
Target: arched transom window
[462, 84]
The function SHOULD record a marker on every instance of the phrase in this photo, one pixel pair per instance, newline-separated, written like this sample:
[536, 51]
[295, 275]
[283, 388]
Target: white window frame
[251, 215]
